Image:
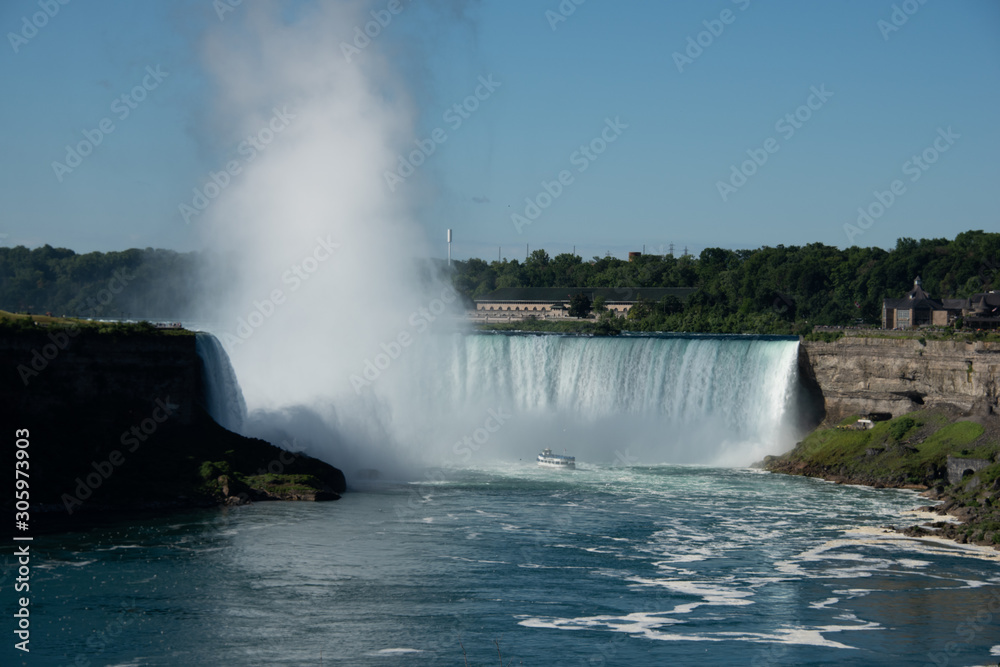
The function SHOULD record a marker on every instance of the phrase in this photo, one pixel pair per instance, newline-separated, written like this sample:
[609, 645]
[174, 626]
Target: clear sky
[668, 124]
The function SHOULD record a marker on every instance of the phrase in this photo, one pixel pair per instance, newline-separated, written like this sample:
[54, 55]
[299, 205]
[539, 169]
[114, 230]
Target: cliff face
[859, 375]
[118, 421]
[44, 374]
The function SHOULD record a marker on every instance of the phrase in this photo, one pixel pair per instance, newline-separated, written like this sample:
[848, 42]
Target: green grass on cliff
[543, 326]
[284, 484]
[823, 336]
[211, 472]
[909, 448]
[953, 439]
[22, 323]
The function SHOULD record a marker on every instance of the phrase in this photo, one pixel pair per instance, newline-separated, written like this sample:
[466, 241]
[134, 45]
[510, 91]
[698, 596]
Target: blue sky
[889, 95]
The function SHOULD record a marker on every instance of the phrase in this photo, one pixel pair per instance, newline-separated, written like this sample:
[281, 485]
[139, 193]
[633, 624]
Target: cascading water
[223, 396]
[458, 399]
[743, 382]
[724, 400]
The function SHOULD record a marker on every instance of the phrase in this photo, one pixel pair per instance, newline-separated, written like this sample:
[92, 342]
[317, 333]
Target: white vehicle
[549, 460]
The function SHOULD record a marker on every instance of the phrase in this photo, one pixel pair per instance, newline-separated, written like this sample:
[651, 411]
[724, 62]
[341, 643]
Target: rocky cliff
[118, 421]
[46, 373]
[897, 375]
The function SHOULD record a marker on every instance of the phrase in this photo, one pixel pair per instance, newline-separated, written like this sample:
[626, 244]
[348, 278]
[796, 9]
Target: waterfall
[724, 400]
[462, 399]
[223, 398]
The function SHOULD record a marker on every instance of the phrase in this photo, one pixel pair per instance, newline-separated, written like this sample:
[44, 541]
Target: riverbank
[952, 459]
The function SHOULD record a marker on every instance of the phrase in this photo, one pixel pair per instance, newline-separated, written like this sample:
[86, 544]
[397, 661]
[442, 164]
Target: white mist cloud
[320, 265]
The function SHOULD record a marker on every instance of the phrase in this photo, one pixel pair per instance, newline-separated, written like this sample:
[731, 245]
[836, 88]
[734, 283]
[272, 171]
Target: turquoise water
[606, 565]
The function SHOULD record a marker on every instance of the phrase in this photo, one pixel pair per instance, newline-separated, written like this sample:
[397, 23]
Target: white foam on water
[396, 651]
[651, 626]
[682, 558]
[923, 515]
[121, 546]
[824, 604]
[925, 544]
[710, 594]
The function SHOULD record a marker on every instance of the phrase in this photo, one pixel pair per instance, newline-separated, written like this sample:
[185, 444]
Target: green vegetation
[579, 305]
[898, 428]
[16, 323]
[824, 336]
[541, 326]
[219, 482]
[132, 284]
[284, 484]
[199, 463]
[911, 449]
[779, 290]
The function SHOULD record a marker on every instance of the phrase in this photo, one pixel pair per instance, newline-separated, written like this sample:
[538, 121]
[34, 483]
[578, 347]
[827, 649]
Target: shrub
[900, 427]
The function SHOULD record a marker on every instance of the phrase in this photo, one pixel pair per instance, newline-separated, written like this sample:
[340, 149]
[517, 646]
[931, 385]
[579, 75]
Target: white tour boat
[550, 460]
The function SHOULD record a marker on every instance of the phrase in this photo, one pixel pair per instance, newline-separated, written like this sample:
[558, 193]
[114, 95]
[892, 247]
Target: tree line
[136, 283]
[781, 289]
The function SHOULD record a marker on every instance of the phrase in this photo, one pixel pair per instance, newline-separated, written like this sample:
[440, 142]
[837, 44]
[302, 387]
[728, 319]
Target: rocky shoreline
[952, 461]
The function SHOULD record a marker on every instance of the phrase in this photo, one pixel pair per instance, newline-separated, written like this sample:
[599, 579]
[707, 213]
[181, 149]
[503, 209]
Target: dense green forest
[783, 289]
[154, 284]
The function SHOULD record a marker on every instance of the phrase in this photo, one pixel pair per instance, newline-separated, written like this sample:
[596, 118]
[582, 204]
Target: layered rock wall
[897, 375]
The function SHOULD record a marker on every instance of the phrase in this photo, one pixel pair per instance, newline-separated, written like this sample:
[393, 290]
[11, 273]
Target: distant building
[918, 309]
[983, 311]
[553, 302]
